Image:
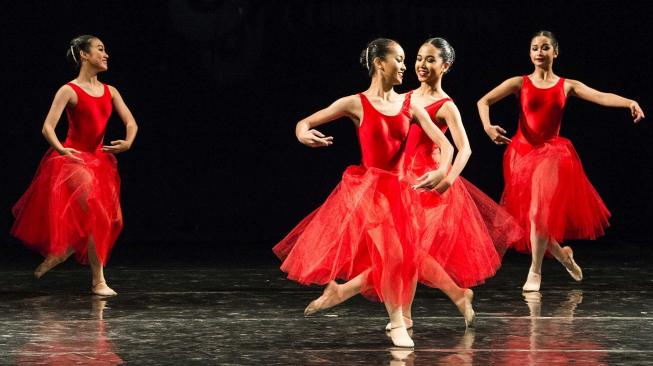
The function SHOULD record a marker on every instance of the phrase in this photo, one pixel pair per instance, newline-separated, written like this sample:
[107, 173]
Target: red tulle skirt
[360, 229]
[547, 184]
[67, 203]
[462, 232]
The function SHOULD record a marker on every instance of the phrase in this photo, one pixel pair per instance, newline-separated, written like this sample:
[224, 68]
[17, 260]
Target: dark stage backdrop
[217, 86]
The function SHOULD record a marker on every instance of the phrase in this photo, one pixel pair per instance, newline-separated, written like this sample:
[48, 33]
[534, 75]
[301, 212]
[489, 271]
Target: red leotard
[362, 223]
[463, 229]
[544, 178]
[70, 202]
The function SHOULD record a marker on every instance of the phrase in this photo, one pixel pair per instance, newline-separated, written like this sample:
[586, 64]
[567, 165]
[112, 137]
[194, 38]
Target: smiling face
[392, 66]
[543, 51]
[429, 64]
[96, 56]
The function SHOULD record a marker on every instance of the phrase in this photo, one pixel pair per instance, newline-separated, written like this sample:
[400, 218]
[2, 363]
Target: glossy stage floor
[206, 315]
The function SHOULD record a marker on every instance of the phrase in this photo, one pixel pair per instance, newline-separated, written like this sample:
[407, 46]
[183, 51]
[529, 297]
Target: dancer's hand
[429, 180]
[443, 186]
[70, 153]
[116, 147]
[315, 138]
[497, 134]
[636, 111]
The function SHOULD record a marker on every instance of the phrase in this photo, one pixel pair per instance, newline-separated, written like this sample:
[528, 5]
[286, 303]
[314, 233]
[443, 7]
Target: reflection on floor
[253, 316]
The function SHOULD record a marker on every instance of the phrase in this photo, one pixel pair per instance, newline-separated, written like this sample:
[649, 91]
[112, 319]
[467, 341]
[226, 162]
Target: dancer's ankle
[535, 269]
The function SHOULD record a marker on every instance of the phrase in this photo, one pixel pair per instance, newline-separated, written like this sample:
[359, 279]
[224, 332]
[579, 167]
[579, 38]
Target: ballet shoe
[329, 298]
[532, 282]
[400, 337]
[570, 264]
[408, 322]
[102, 289]
[43, 268]
[49, 263]
[466, 309]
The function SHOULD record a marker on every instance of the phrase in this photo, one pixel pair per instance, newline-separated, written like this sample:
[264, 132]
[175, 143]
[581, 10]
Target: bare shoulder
[66, 94]
[515, 81]
[449, 105]
[571, 83]
[448, 110]
[348, 103]
[349, 99]
[572, 86]
[112, 90]
[511, 85]
[66, 90]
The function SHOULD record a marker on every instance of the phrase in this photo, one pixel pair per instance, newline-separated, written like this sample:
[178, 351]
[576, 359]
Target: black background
[216, 173]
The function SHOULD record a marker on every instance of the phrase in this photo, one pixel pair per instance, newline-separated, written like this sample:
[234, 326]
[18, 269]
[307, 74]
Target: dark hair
[76, 45]
[549, 35]
[377, 48]
[446, 51]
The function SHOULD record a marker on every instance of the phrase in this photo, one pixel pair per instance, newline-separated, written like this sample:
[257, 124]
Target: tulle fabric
[463, 230]
[360, 227]
[548, 184]
[67, 203]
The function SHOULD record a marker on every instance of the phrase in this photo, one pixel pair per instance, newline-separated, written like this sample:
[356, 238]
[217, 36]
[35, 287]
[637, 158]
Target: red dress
[362, 223]
[68, 202]
[463, 229]
[544, 178]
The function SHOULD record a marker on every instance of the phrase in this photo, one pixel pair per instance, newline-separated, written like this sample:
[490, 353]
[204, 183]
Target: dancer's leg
[100, 286]
[432, 272]
[565, 256]
[539, 244]
[434, 275]
[398, 332]
[79, 183]
[50, 262]
[407, 309]
[544, 187]
[335, 293]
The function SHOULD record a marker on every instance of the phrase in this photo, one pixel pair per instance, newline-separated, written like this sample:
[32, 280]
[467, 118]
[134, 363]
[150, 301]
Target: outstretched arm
[64, 95]
[495, 132]
[433, 178]
[118, 146]
[305, 129]
[582, 91]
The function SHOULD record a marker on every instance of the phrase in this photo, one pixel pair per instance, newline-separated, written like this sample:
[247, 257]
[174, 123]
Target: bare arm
[118, 146]
[64, 95]
[495, 132]
[449, 112]
[431, 179]
[582, 91]
[305, 129]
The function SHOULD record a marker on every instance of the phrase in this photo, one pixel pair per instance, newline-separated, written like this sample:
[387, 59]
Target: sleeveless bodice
[87, 121]
[382, 137]
[419, 146]
[541, 111]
